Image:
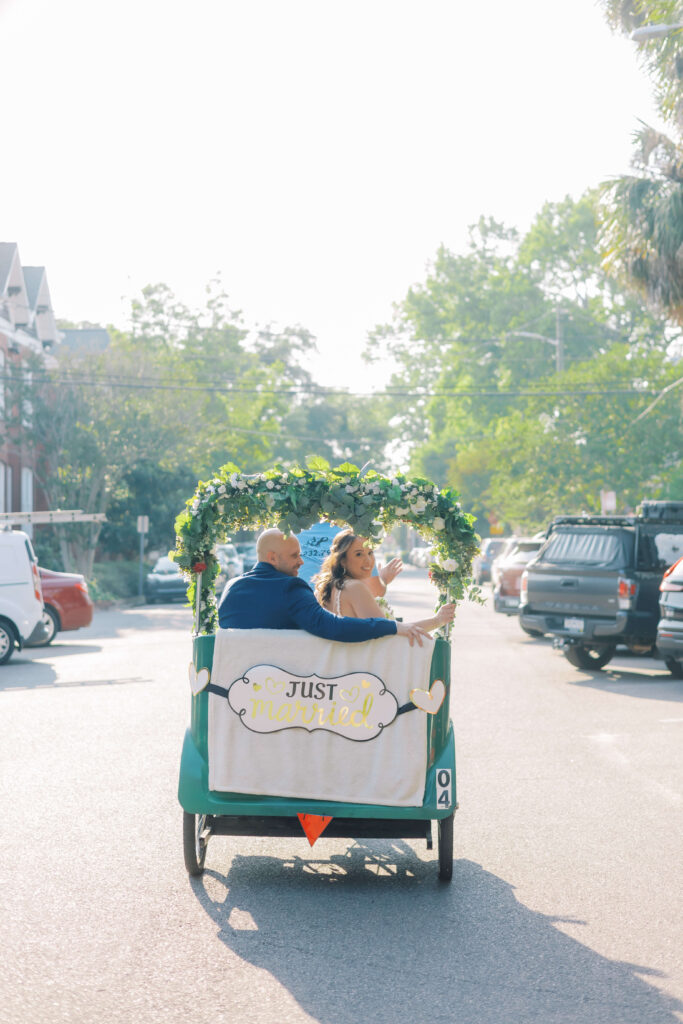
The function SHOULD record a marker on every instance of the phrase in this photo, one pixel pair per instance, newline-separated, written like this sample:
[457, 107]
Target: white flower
[233, 479]
[419, 506]
[402, 511]
[240, 485]
[449, 564]
[439, 523]
[221, 489]
[270, 484]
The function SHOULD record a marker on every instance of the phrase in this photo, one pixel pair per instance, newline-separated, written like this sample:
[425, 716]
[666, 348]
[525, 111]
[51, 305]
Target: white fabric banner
[307, 717]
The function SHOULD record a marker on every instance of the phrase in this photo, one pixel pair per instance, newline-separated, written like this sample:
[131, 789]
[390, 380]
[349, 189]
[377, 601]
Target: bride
[341, 586]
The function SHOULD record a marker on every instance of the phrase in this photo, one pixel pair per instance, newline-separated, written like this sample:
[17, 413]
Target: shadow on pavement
[26, 672]
[646, 683]
[118, 621]
[371, 935]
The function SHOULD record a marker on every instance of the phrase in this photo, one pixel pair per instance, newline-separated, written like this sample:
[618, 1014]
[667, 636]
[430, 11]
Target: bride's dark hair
[333, 572]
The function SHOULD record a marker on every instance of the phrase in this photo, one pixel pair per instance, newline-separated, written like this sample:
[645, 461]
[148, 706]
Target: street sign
[608, 502]
[143, 524]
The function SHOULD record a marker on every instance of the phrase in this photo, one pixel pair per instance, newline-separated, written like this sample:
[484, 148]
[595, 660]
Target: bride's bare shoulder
[354, 586]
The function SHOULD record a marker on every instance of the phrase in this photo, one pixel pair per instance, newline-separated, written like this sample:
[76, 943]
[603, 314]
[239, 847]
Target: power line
[294, 390]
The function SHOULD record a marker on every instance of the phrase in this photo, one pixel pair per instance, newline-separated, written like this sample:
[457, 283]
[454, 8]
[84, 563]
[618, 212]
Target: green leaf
[317, 464]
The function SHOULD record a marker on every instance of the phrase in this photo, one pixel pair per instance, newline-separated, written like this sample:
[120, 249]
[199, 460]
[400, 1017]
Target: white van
[21, 596]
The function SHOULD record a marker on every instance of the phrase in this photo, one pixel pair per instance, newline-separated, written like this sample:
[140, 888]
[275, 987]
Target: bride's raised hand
[445, 614]
[390, 571]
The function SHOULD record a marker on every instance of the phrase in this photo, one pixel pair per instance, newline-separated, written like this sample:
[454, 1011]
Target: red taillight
[524, 588]
[626, 591]
[37, 588]
[82, 585]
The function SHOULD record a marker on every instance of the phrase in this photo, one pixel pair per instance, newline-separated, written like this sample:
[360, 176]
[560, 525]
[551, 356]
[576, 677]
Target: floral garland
[294, 499]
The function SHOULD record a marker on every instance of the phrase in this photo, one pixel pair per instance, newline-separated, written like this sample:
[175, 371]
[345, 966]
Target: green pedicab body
[196, 798]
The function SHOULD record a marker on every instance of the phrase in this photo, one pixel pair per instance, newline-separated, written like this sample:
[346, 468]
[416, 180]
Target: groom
[271, 596]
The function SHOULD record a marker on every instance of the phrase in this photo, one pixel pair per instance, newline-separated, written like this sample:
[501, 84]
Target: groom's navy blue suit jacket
[264, 598]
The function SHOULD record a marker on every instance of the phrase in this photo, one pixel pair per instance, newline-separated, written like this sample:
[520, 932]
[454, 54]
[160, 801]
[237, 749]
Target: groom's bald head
[283, 553]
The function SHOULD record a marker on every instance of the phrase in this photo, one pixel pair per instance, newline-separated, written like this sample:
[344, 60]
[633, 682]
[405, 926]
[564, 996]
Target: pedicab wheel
[195, 841]
[446, 848]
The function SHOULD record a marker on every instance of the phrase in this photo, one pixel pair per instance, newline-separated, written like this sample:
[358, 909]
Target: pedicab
[292, 734]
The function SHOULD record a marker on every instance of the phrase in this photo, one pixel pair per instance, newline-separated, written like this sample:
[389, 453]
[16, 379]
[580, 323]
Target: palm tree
[642, 222]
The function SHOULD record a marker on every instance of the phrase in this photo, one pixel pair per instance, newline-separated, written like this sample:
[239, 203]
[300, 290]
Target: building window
[27, 495]
[3, 371]
[5, 488]
[27, 404]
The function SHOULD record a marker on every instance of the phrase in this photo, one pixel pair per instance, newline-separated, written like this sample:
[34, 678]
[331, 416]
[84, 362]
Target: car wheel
[6, 643]
[51, 623]
[584, 656]
[674, 667]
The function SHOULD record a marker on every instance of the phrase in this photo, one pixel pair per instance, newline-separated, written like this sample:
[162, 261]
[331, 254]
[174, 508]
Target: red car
[67, 602]
[507, 573]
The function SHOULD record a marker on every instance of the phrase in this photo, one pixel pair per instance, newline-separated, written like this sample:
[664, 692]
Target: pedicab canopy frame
[294, 499]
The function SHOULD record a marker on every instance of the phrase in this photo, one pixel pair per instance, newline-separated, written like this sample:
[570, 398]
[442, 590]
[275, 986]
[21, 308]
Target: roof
[85, 339]
[33, 277]
[8, 251]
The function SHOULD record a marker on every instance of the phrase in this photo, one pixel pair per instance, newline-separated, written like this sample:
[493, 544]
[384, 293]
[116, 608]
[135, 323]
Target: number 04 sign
[443, 788]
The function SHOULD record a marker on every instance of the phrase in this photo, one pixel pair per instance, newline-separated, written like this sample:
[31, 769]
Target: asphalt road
[565, 904]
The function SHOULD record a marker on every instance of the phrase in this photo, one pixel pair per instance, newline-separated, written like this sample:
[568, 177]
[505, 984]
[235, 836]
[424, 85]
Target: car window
[164, 566]
[596, 548]
[659, 548]
[525, 552]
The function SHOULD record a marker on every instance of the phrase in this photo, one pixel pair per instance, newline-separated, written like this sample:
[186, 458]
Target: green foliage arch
[294, 499]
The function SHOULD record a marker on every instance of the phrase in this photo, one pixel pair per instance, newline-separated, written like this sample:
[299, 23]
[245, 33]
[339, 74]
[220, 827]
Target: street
[566, 900]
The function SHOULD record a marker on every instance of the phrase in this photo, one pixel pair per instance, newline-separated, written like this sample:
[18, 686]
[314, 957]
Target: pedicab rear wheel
[195, 841]
[445, 826]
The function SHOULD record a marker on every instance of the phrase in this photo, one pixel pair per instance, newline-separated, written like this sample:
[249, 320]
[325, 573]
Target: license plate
[574, 625]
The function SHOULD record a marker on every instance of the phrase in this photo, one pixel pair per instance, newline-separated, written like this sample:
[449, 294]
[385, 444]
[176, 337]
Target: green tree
[477, 339]
[557, 453]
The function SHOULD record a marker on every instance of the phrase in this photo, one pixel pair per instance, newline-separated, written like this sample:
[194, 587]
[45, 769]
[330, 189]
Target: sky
[314, 154]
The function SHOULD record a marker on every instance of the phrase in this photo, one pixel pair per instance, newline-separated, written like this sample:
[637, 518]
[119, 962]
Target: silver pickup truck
[595, 582]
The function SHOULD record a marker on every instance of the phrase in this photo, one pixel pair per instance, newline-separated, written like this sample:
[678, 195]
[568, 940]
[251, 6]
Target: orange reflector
[313, 825]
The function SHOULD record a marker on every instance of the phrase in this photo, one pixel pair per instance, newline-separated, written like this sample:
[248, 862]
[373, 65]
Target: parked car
[421, 556]
[231, 565]
[491, 547]
[508, 572]
[670, 625]
[247, 552]
[21, 596]
[595, 582]
[67, 604]
[165, 582]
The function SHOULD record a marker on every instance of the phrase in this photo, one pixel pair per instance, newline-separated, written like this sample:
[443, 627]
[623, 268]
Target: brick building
[27, 330]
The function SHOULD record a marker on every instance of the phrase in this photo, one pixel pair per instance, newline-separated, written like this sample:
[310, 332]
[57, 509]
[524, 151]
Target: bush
[112, 581]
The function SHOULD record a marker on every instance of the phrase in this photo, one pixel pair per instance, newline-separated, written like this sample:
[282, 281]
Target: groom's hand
[412, 631]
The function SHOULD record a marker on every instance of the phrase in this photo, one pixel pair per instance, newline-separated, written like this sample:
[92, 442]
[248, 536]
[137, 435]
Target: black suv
[595, 582]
